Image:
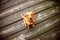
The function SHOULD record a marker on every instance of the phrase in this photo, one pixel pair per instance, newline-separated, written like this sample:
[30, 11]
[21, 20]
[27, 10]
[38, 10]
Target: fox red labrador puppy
[28, 19]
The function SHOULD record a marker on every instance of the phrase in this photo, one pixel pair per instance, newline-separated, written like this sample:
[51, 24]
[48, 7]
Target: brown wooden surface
[47, 18]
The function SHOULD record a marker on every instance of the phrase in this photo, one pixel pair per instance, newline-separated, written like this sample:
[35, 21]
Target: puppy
[28, 19]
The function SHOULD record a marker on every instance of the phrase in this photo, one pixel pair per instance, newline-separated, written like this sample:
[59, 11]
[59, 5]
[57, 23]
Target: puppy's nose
[30, 18]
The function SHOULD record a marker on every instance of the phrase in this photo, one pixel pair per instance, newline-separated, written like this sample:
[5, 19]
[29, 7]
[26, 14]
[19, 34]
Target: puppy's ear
[32, 13]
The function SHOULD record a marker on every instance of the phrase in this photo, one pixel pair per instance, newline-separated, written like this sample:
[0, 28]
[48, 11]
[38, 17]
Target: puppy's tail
[22, 15]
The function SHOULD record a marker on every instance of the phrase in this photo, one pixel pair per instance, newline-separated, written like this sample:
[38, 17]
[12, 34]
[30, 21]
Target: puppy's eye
[31, 14]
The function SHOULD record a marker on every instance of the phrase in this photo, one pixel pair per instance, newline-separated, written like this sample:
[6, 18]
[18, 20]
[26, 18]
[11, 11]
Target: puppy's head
[30, 14]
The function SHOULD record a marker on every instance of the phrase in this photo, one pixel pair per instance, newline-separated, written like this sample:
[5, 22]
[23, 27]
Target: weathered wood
[10, 19]
[3, 1]
[47, 17]
[48, 35]
[40, 28]
[10, 3]
[8, 29]
[19, 7]
[13, 29]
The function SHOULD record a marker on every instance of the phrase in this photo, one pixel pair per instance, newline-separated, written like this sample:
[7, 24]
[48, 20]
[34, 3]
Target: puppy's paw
[33, 25]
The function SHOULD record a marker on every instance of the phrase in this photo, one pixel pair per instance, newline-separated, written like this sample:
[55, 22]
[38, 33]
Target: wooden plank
[19, 7]
[3, 1]
[48, 35]
[41, 30]
[35, 31]
[20, 25]
[10, 19]
[9, 4]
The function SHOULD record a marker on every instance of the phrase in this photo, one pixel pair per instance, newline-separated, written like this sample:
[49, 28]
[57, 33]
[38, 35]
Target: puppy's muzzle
[30, 18]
